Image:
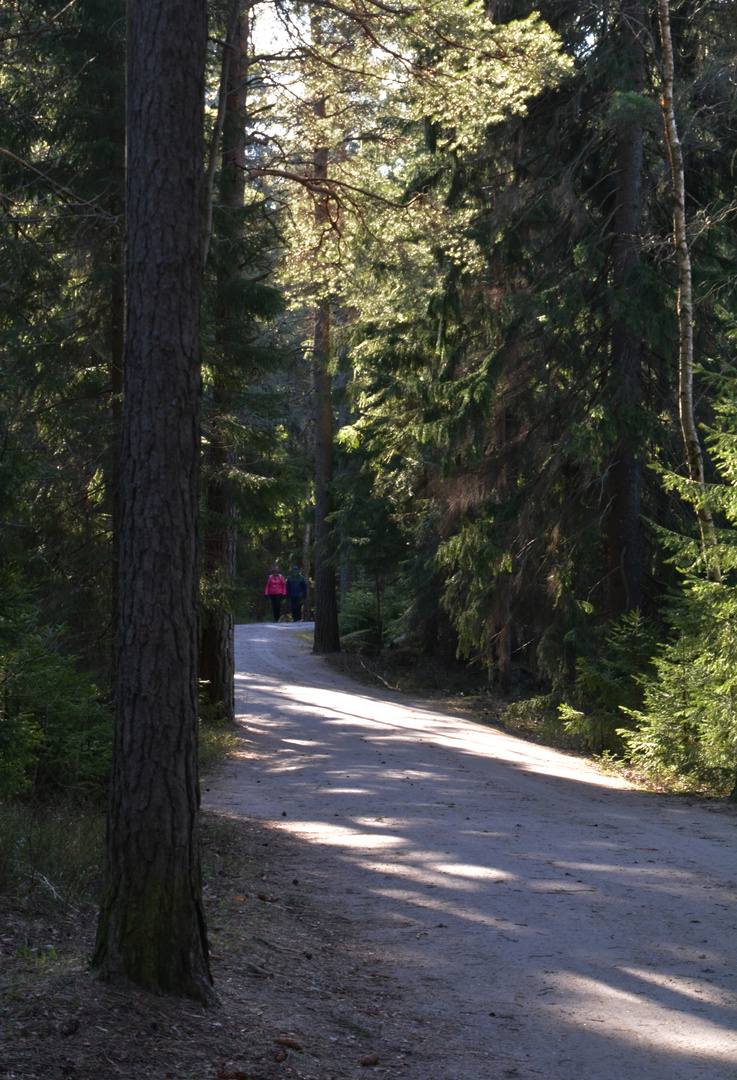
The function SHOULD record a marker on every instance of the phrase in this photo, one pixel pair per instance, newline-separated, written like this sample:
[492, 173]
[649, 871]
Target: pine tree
[151, 928]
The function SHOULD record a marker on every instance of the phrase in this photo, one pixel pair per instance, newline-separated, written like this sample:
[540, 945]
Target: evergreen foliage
[61, 123]
[608, 680]
[55, 729]
[686, 727]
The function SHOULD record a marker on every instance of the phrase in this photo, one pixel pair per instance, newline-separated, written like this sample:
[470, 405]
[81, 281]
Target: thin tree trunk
[307, 540]
[345, 575]
[694, 456]
[503, 640]
[217, 645]
[327, 635]
[379, 619]
[624, 522]
[503, 578]
[345, 570]
[231, 53]
[151, 930]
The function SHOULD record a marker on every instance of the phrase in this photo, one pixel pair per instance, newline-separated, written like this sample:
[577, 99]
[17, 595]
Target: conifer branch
[325, 187]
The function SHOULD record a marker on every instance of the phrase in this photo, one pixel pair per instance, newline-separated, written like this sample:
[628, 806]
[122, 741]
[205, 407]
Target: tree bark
[151, 930]
[624, 521]
[217, 646]
[117, 352]
[692, 444]
[216, 664]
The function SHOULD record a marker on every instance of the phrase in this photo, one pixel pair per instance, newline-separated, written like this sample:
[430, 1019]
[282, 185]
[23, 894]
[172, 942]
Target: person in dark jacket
[275, 588]
[296, 593]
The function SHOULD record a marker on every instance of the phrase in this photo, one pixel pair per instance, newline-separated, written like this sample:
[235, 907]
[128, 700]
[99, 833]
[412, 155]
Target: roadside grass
[51, 850]
[50, 875]
[215, 744]
[51, 863]
[51, 858]
[54, 848]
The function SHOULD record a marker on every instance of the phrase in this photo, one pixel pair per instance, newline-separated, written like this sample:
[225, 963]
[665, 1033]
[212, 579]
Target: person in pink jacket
[276, 588]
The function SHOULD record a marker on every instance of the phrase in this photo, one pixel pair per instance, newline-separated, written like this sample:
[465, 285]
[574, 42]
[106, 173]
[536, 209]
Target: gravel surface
[536, 917]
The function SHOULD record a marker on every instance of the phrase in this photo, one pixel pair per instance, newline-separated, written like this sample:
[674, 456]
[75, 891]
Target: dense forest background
[443, 365]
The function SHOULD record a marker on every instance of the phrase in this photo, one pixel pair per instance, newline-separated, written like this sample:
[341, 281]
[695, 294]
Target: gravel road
[541, 918]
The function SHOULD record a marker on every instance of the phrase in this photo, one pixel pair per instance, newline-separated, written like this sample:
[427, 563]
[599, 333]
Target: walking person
[296, 593]
[276, 588]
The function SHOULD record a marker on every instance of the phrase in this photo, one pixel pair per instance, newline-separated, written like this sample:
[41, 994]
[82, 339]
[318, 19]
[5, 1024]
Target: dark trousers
[276, 605]
[296, 602]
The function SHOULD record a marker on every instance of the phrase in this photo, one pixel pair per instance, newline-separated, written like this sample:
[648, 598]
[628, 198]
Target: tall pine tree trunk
[217, 647]
[692, 444]
[624, 522]
[117, 350]
[151, 929]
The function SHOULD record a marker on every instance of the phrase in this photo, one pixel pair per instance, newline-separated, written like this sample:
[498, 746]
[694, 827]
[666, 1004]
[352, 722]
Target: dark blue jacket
[296, 588]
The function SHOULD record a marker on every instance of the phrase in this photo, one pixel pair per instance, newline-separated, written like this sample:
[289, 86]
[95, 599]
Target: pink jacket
[275, 586]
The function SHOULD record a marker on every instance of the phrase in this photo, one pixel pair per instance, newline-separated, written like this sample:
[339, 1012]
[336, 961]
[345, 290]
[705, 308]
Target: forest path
[541, 919]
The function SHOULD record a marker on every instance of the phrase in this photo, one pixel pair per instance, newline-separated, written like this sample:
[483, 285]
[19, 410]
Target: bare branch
[325, 186]
[90, 203]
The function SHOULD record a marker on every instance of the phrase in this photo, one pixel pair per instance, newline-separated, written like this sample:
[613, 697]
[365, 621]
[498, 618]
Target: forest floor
[397, 891]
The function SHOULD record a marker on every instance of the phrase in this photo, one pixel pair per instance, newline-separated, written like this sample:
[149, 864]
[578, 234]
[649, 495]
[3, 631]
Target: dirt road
[542, 919]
